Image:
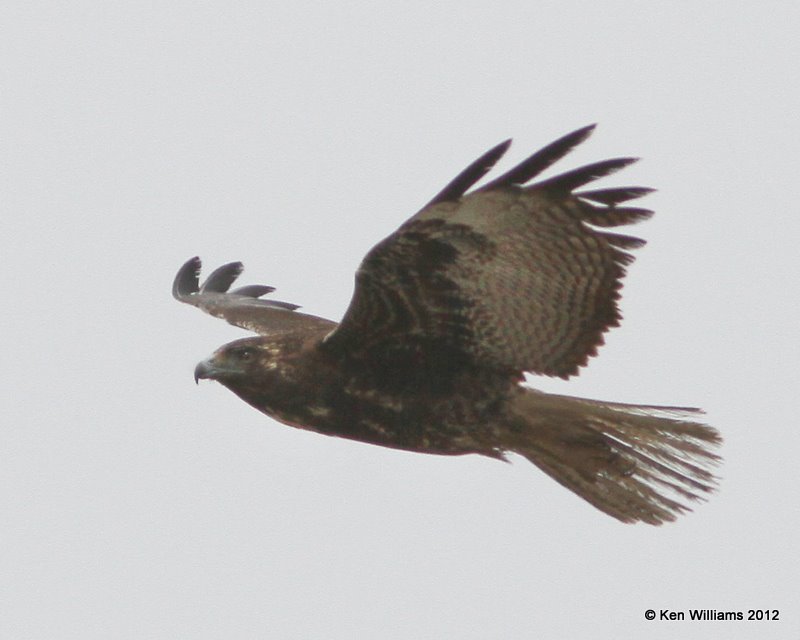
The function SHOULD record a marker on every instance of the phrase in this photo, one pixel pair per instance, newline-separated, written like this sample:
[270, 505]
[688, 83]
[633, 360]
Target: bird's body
[448, 314]
[443, 409]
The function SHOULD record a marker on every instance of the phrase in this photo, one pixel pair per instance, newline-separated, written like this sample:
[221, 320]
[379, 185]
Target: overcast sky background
[293, 137]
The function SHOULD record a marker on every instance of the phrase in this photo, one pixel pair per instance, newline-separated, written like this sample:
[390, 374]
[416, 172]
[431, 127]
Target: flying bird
[448, 314]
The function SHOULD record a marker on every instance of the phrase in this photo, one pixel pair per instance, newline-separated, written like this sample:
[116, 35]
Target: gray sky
[137, 505]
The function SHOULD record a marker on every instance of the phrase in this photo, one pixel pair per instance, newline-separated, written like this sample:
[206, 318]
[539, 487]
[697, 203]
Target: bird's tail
[633, 462]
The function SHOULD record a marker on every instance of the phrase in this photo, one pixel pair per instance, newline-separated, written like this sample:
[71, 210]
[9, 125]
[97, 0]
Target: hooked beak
[203, 370]
[212, 369]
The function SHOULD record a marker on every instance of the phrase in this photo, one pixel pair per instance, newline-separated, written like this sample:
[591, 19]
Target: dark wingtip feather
[220, 280]
[458, 186]
[541, 160]
[615, 195]
[187, 280]
[253, 290]
[623, 241]
[612, 216]
[567, 182]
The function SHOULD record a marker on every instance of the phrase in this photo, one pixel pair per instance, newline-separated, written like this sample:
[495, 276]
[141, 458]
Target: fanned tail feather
[636, 463]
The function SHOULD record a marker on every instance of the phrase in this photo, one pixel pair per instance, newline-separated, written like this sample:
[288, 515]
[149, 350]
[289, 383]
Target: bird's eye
[246, 355]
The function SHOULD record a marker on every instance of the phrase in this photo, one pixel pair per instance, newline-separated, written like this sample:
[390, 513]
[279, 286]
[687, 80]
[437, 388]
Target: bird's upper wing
[242, 307]
[511, 276]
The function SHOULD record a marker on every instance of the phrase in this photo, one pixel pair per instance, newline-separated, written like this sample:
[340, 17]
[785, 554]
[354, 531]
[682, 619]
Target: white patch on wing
[319, 411]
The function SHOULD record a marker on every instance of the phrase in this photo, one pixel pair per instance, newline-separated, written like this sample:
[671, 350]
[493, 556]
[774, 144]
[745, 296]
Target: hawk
[448, 314]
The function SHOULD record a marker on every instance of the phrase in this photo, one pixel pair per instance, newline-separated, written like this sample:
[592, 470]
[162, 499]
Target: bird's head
[239, 362]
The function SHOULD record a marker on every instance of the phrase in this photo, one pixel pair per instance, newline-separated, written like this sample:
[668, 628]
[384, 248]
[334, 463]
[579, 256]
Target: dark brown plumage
[448, 313]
